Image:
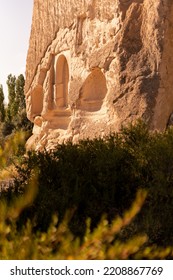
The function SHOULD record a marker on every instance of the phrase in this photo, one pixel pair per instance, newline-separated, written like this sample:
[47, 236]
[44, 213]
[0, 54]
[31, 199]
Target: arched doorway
[61, 80]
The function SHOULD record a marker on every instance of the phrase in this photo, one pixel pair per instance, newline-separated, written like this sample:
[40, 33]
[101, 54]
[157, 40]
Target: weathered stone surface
[94, 65]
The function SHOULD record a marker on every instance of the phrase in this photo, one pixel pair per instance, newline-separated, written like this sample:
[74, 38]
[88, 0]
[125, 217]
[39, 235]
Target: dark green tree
[16, 118]
[12, 108]
[19, 95]
[2, 107]
[20, 119]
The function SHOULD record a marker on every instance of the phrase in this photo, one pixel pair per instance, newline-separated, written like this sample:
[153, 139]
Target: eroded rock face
[95, 65]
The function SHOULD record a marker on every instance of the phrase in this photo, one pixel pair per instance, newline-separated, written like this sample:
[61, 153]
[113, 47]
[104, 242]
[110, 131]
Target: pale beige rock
[95, 65]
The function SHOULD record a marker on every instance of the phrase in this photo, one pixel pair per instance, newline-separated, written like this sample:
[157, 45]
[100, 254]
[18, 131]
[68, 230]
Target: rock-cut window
[37, 100]
[93, 91]
[62, 80]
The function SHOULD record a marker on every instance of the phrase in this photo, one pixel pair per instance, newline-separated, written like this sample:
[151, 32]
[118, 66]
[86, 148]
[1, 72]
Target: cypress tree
[2, 107]
[12, 108]
[19, 95]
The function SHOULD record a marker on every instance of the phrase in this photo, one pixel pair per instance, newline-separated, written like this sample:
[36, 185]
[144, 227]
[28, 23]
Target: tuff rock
[95, 65]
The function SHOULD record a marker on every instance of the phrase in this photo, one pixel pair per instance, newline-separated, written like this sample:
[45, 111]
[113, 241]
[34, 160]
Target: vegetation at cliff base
[108, 198]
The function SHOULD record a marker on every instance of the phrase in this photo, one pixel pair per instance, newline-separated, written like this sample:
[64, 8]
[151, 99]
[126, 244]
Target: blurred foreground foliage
[113, 198]
[59, 243]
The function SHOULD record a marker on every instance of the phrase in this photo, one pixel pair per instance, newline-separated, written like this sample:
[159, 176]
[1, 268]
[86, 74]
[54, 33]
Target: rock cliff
[95, 65]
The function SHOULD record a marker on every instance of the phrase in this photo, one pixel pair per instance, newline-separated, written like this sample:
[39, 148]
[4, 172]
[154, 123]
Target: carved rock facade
[95, 65]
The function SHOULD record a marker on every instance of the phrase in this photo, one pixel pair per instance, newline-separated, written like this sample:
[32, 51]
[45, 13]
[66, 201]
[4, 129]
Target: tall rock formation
[95, 65]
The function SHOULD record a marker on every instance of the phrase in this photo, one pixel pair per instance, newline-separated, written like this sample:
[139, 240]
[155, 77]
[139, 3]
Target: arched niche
[93, 91]
[61, 82]
[37, 100]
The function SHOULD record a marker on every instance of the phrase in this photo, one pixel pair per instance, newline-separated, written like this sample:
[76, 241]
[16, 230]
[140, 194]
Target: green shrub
[102, 176]
[59, 243]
